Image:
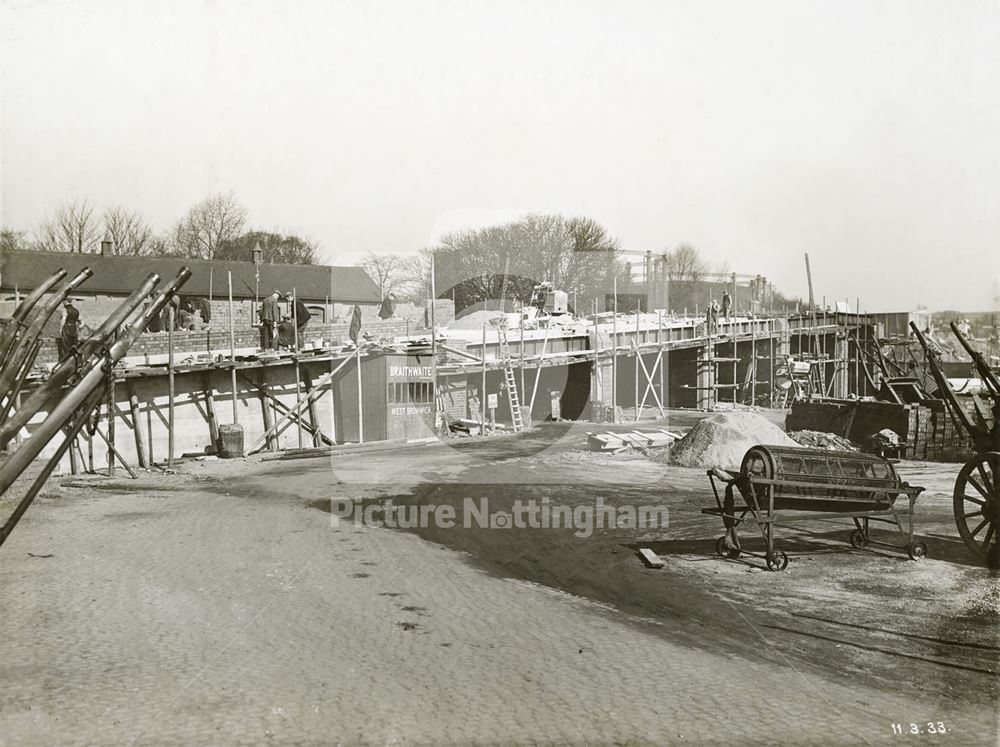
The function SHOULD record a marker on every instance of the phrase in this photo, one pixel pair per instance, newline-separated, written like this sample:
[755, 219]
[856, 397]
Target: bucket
[230, 441]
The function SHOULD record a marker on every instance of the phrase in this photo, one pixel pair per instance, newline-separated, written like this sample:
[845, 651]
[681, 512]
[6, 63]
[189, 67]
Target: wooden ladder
[508, 375]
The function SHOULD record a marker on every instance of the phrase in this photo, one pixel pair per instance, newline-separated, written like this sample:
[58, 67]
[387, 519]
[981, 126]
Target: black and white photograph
[450, 372]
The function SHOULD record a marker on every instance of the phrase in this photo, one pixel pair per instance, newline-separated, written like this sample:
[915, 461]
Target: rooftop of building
[115, 275]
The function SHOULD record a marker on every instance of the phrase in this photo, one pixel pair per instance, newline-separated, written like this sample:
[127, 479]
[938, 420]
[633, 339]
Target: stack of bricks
[926, 431]
[934, 435]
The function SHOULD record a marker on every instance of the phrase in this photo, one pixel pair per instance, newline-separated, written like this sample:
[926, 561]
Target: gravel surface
[219, 606]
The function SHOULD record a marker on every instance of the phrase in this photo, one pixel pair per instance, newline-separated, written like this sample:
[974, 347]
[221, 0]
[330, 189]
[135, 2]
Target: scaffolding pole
[298, 373]
[170, 386]
[614, 354]
[232, 346]
[482, 389]
[637, 361]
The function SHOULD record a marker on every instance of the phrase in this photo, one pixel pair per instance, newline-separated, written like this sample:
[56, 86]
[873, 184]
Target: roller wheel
[977, 505]
[725, 550]
[858, 540]
[777, 562]
[917, 551]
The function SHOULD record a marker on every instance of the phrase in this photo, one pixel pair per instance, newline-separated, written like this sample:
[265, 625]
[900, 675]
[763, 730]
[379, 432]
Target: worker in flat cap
[270, 315]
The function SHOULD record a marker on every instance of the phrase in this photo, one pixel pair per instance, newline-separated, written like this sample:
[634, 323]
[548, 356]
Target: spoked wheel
[858, 540]
[777, 562]
[977, 505]
[726, 550]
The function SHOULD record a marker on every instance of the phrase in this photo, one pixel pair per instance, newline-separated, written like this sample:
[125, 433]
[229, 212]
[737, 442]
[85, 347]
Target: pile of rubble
[820, 440]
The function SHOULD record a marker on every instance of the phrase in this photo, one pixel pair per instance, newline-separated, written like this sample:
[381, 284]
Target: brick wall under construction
[188, 342]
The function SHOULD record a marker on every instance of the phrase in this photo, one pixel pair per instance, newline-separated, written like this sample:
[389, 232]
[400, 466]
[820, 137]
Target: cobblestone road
[179, 614]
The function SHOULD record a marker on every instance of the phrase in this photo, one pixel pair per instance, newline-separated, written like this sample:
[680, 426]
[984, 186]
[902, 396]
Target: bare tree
[208, 225]
[387, 270]
[275, 247]
[575, 254]
[13, 240]
[684, 264]
[71, 228]
[415, 274]
[685, 271]
[129, 232]
[161, 245]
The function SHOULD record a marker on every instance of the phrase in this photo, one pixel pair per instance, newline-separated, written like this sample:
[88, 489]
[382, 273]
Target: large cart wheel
[777, 562]
[977, 505]
[726, 550]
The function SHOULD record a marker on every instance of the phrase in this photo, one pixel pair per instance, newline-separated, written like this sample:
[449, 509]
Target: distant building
[897, 323]
[329, 292]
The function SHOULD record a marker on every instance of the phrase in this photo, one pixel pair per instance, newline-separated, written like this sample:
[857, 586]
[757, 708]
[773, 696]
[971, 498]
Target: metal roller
[826, 473]
[782, 485]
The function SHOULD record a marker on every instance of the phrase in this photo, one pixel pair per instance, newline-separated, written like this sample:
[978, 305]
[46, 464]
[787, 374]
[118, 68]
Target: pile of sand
[722, 440]
[476, 320]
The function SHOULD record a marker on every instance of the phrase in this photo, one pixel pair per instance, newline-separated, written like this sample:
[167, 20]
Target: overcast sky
[866, 133]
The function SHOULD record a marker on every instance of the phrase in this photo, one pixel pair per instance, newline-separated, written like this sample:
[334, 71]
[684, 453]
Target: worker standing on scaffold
[69, 335]
[270, 315]
[727, 303]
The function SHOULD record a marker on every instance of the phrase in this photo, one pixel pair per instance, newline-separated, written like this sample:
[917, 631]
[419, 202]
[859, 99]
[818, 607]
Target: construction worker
[727, 303]
[301, 314]
[154, 323]
[165, 325]
[203, 307]
[270, 315]
[69, 335]
[388, 308]
[185, 315]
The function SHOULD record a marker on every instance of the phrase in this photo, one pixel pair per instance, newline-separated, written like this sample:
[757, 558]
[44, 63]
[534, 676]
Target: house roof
[121, 275]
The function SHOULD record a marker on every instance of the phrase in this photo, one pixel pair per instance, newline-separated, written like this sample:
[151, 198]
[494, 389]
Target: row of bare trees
[477, 266]
[78, 227]
[214, 228]
[405, 277]
[472, 267]
[575, 254]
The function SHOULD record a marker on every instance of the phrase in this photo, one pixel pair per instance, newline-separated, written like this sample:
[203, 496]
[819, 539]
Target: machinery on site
[798, 378]
[548, 300]
[976, 498]
[783, 485]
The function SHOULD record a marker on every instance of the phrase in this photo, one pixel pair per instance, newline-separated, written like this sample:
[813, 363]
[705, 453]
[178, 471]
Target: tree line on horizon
[506, 260]
[477, 267]
[214, 228]
[472, 267]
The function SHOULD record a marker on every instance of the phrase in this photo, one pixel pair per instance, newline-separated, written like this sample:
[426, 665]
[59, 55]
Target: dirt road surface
[221, 605]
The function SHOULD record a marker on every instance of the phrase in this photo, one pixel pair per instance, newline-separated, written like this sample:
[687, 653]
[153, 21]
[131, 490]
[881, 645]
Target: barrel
[230, 441]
